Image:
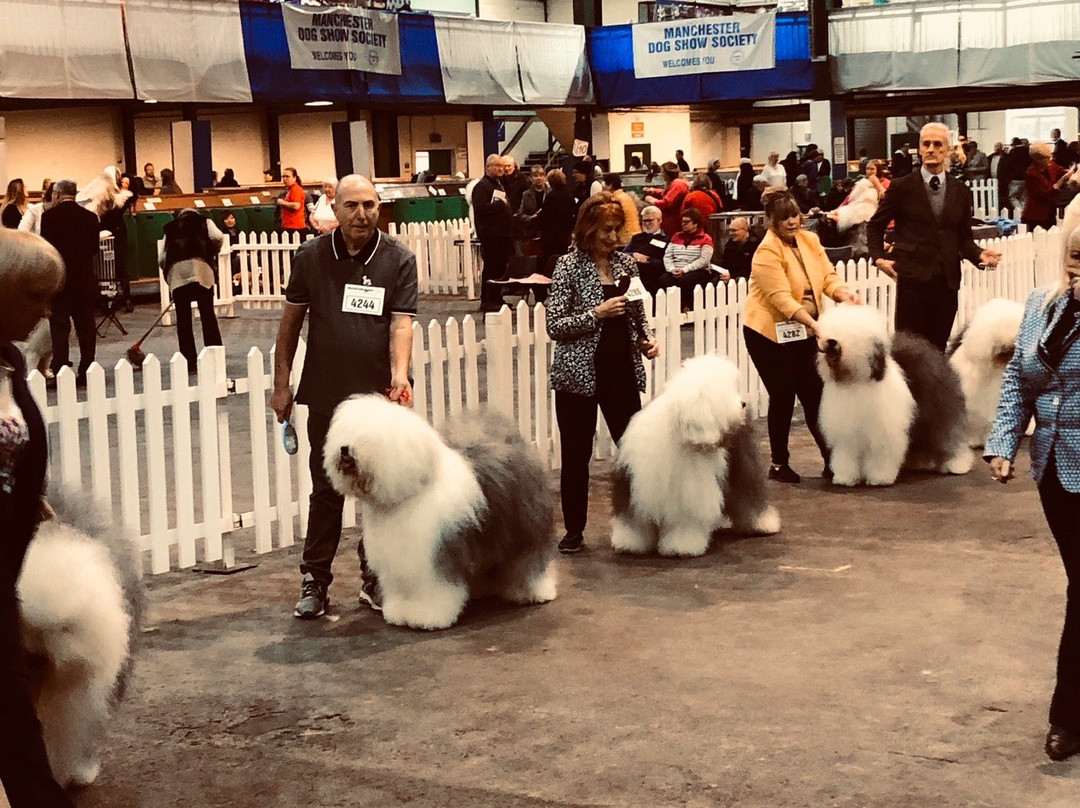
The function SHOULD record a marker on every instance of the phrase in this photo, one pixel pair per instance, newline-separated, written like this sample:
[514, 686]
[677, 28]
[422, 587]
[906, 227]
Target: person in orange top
[631, 224]
[790, 277]
[292, 204]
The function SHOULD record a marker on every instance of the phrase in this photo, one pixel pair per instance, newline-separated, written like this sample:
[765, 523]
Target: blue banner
[274, 80]
[611, 55]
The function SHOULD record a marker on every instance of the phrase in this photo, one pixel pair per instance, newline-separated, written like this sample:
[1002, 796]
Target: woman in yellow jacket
[789, 278]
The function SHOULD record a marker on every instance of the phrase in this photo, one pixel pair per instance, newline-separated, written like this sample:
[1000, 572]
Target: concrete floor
[889, 648]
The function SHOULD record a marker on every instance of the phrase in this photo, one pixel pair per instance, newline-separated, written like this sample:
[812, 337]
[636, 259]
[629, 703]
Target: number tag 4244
[790, 331]
[359, 299]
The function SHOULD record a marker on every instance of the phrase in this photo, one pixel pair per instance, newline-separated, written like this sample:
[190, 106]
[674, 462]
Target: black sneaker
[571, 543]
[313, 599]
[784, 474]
[369, 594]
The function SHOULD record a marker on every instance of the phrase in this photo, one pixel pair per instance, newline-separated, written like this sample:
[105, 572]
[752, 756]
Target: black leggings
[618, 399]
[24, 764]
[183, 297]
[1062, 510]
[787, 371]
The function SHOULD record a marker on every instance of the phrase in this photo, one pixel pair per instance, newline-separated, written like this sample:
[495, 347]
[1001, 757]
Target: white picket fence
[187, 464]
[446, 262]
[984, 198]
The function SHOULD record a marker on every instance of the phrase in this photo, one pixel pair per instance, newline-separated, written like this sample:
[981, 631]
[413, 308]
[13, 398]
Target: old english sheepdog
[979, 354]
[446, 517]
[81, 606]
[886, 407]
[689, 464]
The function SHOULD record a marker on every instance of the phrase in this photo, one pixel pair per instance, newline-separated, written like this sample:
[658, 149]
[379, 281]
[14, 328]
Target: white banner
[353, 39]
[705, 45]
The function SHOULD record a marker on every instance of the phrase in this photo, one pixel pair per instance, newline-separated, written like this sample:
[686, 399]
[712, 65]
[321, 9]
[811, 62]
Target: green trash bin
[415, 210]
[150, 228]
[449, 208]
[260, 219]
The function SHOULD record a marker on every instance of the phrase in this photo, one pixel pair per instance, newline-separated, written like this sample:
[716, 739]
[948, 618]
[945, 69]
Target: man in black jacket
[739, 250]
[932, 212]
[647, 248]
[75, 233]
[494, 228]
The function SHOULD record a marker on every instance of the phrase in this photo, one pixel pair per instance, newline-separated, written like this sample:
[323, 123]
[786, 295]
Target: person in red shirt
[292, 204]
[1043, 179]
[671, 198]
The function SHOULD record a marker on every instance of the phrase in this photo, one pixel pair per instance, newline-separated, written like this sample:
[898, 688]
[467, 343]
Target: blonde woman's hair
[1041, 149]
[24, 254]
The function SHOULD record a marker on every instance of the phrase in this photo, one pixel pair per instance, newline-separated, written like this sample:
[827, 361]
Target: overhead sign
[350, 39]
[705, 45]
[637, 129]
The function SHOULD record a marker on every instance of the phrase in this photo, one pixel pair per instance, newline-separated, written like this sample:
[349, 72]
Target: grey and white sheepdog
[449, 515]
[887, 404]
[689, 464]
[81, 605]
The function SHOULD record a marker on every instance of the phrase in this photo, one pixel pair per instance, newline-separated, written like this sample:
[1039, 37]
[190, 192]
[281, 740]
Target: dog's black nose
[831, 346]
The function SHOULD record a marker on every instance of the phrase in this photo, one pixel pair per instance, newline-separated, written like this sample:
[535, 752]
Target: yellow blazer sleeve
[769, 271]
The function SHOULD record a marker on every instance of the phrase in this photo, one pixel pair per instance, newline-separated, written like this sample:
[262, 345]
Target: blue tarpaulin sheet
[611, 55]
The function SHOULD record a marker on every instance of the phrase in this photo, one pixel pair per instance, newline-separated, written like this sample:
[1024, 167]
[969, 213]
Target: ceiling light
[319, 104]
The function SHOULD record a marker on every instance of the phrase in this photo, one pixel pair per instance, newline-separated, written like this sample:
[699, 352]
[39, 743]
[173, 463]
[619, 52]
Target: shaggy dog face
[709, 406]
[380, 452]
[979, 355]
[853, 344]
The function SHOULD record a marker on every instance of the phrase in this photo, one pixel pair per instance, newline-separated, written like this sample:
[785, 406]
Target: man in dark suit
[932, 212]
[74, 232]
[1061, 154]
[494, 228]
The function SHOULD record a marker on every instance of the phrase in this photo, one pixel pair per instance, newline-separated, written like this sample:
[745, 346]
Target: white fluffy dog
[885, 406]
[979, 354]
[688, 465]
[81, 605]
[446, 518]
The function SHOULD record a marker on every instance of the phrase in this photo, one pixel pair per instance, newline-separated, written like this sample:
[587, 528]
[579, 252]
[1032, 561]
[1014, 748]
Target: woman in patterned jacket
[1043, 379]
[600, 338]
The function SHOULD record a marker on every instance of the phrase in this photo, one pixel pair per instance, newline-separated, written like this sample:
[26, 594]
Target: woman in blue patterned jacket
[1043, 379]
[600, 338]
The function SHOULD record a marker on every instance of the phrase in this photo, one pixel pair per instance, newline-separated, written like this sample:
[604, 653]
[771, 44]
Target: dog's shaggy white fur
[81, 607]
[446, 518]
[886, 406]
[689, 464]
[979, 354]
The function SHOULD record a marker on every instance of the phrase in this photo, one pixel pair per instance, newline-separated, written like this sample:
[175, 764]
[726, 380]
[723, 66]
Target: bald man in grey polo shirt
[351, 349]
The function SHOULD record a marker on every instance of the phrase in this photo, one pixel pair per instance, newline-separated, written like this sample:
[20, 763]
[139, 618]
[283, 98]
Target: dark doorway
[641, 150]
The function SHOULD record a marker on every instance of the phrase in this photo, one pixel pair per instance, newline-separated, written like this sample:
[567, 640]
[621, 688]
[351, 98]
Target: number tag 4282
[790, 331]
[359, 299]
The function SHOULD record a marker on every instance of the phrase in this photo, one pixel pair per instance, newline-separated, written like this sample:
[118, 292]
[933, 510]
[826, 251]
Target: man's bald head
[494, 166]
[357, 181]
[356, 205]
[739, 228]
